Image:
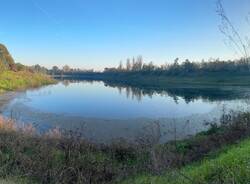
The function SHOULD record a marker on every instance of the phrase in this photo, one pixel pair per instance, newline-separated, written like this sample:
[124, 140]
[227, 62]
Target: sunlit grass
[232, 166]
[10, 80]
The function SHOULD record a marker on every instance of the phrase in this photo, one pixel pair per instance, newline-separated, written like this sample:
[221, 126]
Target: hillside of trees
[15, 76]
[6, 60]
[7, 63]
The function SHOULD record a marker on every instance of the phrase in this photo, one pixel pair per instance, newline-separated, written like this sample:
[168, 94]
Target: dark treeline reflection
[189, 94]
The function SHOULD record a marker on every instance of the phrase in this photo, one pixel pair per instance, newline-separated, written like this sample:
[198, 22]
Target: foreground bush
[57, 157]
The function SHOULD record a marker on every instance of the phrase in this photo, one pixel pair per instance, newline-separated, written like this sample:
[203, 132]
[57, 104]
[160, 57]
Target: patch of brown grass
[7, 124]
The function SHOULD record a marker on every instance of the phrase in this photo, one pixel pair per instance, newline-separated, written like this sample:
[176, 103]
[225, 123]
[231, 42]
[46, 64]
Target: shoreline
[124, 160]
[162, 81]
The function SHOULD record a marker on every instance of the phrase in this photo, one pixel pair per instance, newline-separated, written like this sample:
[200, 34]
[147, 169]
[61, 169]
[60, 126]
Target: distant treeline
[177, 68]
[185, 68]
[55, 70]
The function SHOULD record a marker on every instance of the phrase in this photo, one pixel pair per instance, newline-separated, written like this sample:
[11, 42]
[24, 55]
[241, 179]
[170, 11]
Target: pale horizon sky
[97, 33]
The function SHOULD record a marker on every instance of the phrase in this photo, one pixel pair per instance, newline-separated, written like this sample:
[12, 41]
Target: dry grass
[7, 125]
[64, 157]
[57, 157]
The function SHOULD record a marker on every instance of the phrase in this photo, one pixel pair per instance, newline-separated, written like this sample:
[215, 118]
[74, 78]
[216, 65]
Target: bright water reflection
[105, 111]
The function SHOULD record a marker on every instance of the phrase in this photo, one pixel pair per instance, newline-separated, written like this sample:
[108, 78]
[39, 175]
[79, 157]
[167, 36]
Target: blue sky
[99, 33]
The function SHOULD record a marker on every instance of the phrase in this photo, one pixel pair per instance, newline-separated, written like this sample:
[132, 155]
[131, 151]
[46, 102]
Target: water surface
[104, 112]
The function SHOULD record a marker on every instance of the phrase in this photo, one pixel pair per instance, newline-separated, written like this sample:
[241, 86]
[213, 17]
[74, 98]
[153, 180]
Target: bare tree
[239, 42]
[66, 68]
[133, 64]
[139, 62]
[120, 67]
[128, 65]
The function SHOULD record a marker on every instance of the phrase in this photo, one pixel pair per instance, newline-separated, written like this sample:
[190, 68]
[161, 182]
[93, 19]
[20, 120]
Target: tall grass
[10, 80]
[60, 157]
[230, 167]
[65, 157]
[219, 155]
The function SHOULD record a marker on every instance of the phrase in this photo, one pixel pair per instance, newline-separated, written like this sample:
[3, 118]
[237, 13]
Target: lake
[105, 112]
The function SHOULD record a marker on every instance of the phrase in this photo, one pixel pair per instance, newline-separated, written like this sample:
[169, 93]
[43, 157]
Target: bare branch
[228, 29]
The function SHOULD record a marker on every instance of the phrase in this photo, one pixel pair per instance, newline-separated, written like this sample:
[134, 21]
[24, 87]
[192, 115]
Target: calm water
[105, 112]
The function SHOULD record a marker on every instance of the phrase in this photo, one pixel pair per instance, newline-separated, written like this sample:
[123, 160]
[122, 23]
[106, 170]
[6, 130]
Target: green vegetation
[228, 164]
[17, 76]
[53, 158]
[10, 80]
[205, 73]
[64, 157]
[137, 73]
[231, 166]
[214, 156]
[6, 60]
[185, 68]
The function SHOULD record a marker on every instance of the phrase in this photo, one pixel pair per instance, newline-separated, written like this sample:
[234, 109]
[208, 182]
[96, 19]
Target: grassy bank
[231, 167]
[10, 80]
[64, 157]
